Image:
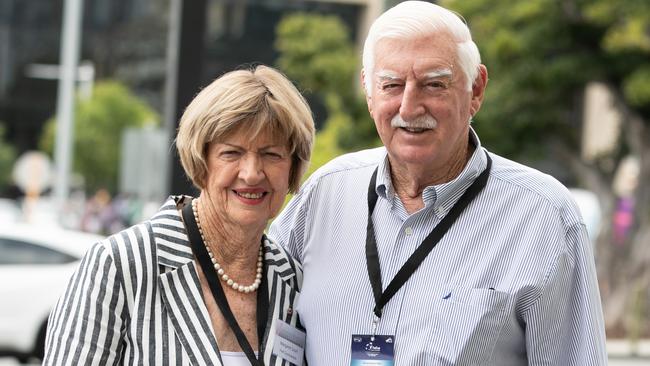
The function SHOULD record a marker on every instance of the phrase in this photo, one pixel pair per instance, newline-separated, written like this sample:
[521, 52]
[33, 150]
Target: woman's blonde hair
[257, 100]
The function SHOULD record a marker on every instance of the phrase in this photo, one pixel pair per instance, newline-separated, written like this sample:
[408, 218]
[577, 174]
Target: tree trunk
[626, 279]
[623, 270]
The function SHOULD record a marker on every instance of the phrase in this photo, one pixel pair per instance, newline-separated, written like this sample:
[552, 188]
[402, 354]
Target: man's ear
[478, 89]
[365, 91]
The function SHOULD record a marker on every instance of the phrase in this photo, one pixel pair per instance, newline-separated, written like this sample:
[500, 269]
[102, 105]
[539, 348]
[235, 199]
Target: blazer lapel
[182, 299]
[180, 289]
[282, 277]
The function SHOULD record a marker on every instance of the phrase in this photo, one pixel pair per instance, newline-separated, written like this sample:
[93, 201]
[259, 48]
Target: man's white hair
[413, 19]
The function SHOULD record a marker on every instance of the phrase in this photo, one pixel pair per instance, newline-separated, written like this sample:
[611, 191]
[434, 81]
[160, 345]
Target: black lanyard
[422, 251]
[201, 253]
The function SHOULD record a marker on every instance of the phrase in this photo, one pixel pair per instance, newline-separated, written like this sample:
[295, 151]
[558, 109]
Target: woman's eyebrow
[270, 146]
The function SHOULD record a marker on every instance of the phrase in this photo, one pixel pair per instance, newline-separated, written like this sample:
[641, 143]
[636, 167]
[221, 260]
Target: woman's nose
[251, 169]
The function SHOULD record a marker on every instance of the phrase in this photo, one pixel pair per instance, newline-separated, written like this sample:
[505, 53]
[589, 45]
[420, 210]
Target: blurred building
[214, 36]
[164, 50]
[123, 39]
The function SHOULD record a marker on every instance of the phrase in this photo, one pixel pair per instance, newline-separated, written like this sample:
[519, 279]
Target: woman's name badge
[368, 350]
[289, 343]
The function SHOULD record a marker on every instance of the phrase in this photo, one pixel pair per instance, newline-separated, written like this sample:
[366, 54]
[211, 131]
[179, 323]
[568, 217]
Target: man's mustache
[426, 121]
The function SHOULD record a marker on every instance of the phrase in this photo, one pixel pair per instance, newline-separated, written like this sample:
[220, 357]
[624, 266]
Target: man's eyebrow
[385, 75]
[439, 73]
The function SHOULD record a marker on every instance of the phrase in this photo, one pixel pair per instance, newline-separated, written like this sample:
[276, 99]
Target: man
[468, 258]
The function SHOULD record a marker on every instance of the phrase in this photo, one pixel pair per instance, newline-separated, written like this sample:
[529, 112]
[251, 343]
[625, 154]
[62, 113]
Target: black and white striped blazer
[136, 300]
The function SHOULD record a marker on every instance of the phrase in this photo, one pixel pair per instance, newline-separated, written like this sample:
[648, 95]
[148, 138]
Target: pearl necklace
[217, 267]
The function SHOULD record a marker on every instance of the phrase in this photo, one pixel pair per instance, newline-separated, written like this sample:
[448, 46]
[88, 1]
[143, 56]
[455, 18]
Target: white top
[235, 358]
[512, 283]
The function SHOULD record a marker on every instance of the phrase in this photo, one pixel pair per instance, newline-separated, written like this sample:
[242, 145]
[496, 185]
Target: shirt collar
[442, 196]
[384, 185]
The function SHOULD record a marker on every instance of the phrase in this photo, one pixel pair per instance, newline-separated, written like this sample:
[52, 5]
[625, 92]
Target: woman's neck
[232, 245]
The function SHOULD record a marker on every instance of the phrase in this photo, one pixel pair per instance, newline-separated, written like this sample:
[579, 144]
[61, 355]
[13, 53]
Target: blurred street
[629, 362]
[620, 354]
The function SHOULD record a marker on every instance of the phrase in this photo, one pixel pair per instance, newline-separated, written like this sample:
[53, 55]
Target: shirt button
[408, 231]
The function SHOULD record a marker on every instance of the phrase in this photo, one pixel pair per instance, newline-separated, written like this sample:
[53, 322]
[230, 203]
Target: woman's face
[247, 179]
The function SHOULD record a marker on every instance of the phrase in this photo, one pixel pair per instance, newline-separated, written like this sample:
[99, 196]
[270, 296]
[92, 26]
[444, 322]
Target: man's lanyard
[201, 253]
[414, 261]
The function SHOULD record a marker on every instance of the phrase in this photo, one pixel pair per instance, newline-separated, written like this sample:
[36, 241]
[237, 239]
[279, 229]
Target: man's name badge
[372, 351]
[289, 343]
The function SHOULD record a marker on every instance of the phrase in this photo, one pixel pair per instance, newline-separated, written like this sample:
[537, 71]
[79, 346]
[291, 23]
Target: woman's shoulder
[164, 222]
[164, 230]
[129, 241]
[277, 258]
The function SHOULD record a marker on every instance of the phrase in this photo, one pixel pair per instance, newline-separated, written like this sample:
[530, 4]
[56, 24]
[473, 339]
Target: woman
[199, 283]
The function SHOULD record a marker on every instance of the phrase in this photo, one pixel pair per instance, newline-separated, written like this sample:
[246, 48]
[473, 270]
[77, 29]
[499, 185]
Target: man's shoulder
[350, 163]
[517, 174]
[532, 184]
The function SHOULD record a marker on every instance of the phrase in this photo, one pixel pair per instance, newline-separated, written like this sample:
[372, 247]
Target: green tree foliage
[7, 158]
[316, 51]
[99, 123]
[540, 55]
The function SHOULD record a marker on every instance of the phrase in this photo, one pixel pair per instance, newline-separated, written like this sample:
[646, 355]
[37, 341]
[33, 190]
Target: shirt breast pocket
[466, 323]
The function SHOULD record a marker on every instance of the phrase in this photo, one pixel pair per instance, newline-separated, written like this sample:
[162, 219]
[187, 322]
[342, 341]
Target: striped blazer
[136, 300]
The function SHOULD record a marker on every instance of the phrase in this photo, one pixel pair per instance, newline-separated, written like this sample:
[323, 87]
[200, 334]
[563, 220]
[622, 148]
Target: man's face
[419, 100]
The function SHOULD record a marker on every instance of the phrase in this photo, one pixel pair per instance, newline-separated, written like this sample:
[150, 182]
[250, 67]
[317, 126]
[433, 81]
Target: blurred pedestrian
[94, 216]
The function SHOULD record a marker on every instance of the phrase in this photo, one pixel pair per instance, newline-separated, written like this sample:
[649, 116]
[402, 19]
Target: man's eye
[389, 86]
[437, 84]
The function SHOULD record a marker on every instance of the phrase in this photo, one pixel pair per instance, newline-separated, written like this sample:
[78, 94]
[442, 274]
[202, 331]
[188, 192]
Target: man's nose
[412, 103]
[251, 169]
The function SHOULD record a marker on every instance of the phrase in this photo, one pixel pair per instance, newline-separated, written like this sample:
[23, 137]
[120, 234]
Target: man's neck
[410, 180]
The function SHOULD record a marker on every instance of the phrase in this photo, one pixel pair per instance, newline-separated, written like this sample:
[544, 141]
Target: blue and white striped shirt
[511, 283]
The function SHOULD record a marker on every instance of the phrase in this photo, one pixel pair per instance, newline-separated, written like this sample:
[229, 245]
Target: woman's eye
[229, 153]
[273, 155]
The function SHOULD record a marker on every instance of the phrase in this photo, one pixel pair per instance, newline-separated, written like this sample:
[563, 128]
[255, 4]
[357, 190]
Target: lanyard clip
[375, 322]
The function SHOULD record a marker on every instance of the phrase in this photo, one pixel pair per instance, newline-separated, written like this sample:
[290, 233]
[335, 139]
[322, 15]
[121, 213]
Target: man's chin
[413, 156]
